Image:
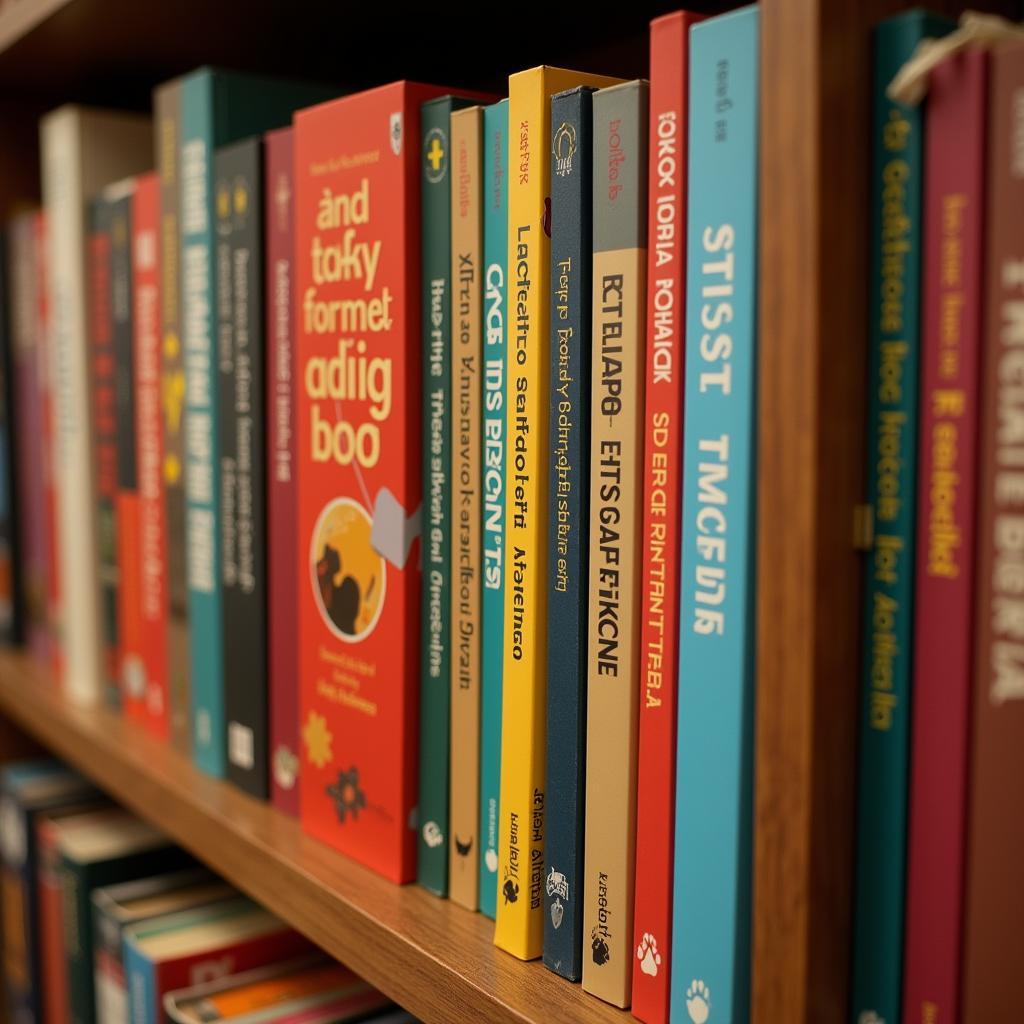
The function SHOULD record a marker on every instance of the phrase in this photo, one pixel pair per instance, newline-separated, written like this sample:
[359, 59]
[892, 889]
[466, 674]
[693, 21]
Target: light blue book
[216, 108]
[714, 783]
[493, 602]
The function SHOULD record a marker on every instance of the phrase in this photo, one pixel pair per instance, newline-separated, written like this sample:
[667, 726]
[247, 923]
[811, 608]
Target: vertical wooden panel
[812, 349]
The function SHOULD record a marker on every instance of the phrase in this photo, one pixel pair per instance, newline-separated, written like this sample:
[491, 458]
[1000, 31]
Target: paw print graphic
[648, 955]
[698, 1001]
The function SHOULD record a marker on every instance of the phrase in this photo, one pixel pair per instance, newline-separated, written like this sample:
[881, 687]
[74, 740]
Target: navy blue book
[568, 516]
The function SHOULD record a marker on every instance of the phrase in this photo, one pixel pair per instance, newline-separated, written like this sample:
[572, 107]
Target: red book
[663, 474]
[151, 540]
[282, 495]
[994, 924]
[945, 550]
[103, 364]
[357, 217]
[51, 925]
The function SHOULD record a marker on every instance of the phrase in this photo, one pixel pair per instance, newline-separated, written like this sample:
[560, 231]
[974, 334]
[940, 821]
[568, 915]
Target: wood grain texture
[434, 958]
[811, 395]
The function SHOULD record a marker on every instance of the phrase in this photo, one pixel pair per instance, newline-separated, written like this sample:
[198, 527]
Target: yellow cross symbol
[435, 154]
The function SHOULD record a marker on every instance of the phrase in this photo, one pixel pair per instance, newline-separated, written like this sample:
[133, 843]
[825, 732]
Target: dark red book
[103, 363]
[994, 926]
[357, 292]
[151, 534]
[663, 474]
[945, 548]
[282, 494]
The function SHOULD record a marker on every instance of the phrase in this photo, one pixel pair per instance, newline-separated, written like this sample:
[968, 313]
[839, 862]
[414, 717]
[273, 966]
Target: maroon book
[994, 926]
[282, 499]
[943, 639]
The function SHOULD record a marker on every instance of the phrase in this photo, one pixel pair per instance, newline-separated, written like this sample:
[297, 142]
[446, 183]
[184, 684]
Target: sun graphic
[318, 740]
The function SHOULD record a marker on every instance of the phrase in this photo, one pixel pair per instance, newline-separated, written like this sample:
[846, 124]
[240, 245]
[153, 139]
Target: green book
[98, 849]
[897, 172]
[214, 108]
[435, 647]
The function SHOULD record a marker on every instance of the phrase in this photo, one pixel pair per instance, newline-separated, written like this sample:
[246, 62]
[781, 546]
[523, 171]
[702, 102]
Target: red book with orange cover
[357, 311]
[663, 474]
[994, 903]
[152, 535]
[945, 556]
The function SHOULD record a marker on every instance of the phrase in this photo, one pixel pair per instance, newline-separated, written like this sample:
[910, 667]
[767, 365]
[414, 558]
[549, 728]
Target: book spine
[54, 649]
[140, 978]
[130, 671]
[30, 455]
[21, 978]
[54, 988]
[714, 777]
[149, 454]
[662, 493]
[75, 913]
[618, 352]
[467, 410]
[282, 521]
[78, 591]
[466, 413]
[199, 311]
[519, 927]
[492, 602]
[993, 942]
[102, 355]
[568, 526]
[897, 176]
[172, 404]
[239, 175]
[10, 590]
[103, 380]
[435, 652]
[108, 969]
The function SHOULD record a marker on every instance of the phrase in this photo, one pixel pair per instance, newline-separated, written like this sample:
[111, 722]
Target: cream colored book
[466, 177]
[82, 150]
[618, 352]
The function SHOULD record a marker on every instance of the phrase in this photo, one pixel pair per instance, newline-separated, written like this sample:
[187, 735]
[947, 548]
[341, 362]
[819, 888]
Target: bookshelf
[434, 958]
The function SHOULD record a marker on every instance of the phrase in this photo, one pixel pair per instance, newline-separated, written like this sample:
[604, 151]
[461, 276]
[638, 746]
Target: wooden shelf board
[434, 958]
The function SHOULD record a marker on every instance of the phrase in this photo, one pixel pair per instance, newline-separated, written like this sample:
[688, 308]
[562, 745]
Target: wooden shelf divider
[434, 958]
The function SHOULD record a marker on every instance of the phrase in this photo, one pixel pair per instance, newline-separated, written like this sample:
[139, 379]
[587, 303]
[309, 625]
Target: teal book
[710, 967]
[897, 175]
[216, 108]
[492, 612]
[435, 642]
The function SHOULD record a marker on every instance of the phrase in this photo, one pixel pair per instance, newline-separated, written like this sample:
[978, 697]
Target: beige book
[466, 528]
[616, 490]
[82, 151]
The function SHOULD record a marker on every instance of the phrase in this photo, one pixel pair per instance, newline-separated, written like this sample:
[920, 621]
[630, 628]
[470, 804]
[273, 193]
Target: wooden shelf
[433, 957]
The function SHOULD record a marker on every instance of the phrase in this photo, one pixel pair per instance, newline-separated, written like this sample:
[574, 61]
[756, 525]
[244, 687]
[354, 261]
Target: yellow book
[466, 529]
[519, 925]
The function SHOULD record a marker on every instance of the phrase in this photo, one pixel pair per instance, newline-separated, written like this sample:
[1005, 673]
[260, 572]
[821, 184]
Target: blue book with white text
[714, 780]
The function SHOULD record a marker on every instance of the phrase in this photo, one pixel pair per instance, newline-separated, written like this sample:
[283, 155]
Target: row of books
[354, 458]
[106, 922]
[940, 826]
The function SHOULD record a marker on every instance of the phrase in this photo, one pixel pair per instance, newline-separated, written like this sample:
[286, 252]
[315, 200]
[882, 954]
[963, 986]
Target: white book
[82, 150]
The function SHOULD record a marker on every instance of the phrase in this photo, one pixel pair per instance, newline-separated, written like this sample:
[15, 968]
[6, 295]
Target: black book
[238, 174]
[568, 532]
